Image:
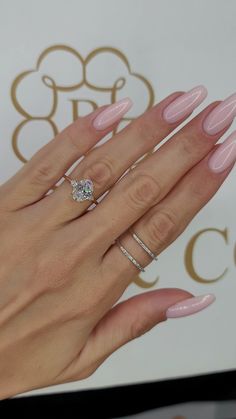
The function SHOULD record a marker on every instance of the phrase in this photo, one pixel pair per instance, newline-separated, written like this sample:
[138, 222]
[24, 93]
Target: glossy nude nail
[112, 113]
[221, 116]
[190, 306]
[184, 104]
[224, 156]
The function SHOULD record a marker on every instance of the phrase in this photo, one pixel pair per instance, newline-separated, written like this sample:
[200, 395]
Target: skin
[60, 271]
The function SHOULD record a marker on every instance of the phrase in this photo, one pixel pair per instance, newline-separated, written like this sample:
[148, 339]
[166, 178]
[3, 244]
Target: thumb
[126, 321]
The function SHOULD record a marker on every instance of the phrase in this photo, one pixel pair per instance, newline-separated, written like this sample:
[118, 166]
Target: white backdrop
[169, 45]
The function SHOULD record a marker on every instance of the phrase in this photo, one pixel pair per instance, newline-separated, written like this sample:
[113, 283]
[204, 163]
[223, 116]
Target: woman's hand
[61, 270]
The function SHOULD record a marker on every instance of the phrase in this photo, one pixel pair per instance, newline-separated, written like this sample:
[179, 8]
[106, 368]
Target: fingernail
[221, 116]
[184, 104]
[190, 306]
[225, 155]
[112, 113]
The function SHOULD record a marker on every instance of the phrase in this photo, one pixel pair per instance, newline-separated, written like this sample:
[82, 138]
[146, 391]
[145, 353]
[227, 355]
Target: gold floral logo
[63, 85]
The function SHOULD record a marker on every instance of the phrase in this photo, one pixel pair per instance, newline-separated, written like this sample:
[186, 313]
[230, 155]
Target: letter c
[188, 257]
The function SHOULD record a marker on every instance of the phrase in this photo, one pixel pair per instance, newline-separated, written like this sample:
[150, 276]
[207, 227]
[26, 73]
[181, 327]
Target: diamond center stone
[82, 190]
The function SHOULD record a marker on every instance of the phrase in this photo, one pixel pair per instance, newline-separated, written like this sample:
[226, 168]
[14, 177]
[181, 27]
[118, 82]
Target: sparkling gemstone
[82, 190]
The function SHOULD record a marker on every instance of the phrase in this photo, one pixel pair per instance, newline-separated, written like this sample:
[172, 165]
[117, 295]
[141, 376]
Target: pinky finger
[128, 320]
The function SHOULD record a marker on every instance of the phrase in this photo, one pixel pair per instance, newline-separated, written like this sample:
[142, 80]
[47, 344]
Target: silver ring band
[129, 256]
[143, 245]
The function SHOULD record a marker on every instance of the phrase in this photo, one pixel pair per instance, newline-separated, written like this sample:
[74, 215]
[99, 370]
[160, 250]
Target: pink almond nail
[225, 155]
[184, 104]
[112, 114]
[190, 306]
[221, 116]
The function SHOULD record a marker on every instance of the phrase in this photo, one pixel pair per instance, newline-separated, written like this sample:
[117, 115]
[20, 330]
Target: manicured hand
[61, 268]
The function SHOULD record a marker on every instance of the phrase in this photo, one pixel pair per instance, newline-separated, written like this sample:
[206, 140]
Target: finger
[153, 178]
[104, 165]
[50, 163]
[163, 223]
[125, 322]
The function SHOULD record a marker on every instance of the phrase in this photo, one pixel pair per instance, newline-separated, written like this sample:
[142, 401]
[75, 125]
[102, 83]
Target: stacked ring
[144, 247]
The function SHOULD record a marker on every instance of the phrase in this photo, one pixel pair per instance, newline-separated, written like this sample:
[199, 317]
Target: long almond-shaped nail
[221, 116]
[184, 104]
[112, 114]
[190, 306]
[225, 155]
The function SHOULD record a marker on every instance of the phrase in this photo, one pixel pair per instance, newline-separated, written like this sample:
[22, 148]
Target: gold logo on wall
[62, 75]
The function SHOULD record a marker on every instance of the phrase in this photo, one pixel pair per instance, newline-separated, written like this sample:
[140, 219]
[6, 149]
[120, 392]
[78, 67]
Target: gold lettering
[75, 106]
[188, 257]
[144, 284]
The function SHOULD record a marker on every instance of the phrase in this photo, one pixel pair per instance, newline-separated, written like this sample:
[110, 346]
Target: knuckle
[101, 172]
[52, 271]
[143, 191]
[191, 146]
[78, 129]
[144, 128]
[186, 145]
[198, 189]
[162, 228]
[43, 174]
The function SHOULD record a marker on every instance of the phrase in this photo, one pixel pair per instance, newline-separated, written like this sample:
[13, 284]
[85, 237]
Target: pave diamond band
[82, 190]
[143, 245]
[129, 256]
